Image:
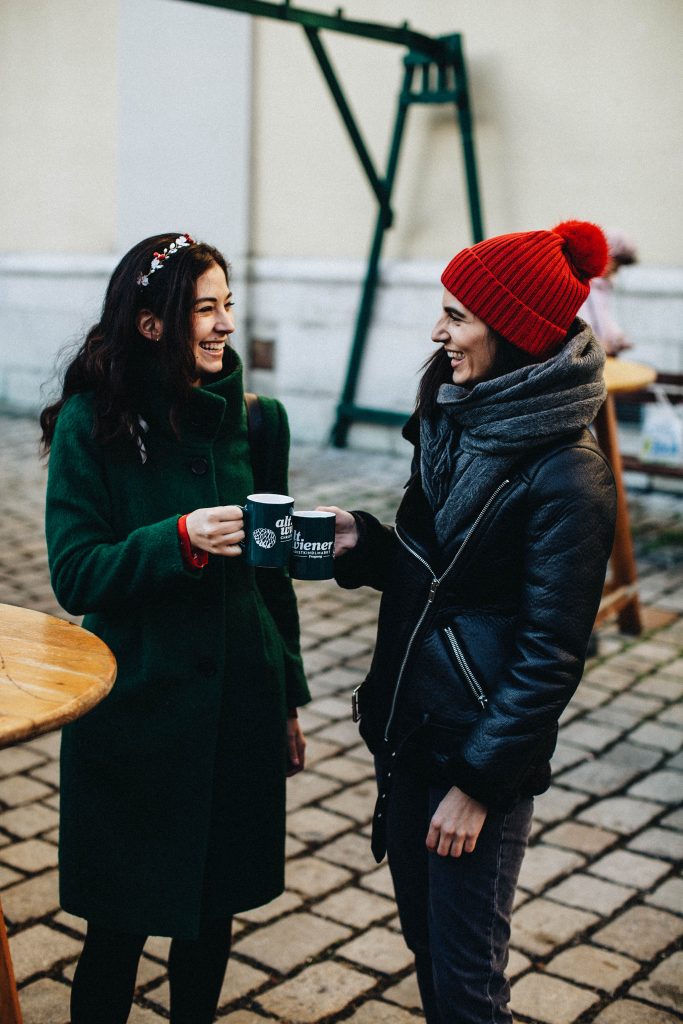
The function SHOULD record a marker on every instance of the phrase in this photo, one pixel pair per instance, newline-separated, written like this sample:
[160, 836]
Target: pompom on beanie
[529, 285]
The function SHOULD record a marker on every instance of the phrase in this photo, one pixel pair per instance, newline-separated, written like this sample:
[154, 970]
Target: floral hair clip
[160, 257]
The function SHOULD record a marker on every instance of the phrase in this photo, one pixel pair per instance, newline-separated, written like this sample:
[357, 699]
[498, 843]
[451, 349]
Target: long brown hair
[105, 362]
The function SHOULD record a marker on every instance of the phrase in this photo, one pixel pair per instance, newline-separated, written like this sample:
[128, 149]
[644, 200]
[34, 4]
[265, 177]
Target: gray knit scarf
[481, 432]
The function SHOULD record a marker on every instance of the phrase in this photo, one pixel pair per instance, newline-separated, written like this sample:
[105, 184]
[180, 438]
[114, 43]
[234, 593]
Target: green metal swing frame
[434, 73]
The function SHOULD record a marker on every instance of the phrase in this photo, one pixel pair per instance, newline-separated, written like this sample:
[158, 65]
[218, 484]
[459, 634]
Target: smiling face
[212, 320]
[466, 341]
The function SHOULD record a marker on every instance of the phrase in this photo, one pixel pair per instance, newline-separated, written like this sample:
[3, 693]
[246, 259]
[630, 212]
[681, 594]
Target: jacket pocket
[463, 667]
[438, 685]
[441, 744]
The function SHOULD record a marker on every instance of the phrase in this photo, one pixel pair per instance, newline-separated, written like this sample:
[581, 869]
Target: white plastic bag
[661, 438]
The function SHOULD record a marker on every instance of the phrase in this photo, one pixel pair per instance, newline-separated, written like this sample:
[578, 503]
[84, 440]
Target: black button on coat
[199, 466]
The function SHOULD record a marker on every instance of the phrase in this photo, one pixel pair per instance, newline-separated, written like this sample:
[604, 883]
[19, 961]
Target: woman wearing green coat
[173, 788]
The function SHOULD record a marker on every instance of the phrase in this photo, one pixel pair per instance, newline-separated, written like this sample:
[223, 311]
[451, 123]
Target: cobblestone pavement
[599, 917]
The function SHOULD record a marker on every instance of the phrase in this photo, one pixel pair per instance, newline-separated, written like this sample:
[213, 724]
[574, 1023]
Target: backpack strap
[255, 434]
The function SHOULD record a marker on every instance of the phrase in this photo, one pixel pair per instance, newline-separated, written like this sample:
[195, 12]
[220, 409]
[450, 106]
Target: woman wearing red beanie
[491, 580]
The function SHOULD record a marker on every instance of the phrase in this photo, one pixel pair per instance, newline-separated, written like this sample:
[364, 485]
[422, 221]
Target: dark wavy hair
[437, 370]
[105, 363]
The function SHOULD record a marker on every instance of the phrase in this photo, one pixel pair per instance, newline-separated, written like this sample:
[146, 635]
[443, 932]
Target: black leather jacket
[481, 646]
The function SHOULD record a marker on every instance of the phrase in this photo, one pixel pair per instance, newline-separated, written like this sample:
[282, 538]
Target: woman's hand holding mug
[345, 532]
[217, 530]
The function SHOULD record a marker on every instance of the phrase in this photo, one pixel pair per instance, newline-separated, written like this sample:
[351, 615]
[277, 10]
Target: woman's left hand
[296, 747]
[456, 824]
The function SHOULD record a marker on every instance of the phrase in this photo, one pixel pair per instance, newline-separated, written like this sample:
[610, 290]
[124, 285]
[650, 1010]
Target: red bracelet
[292, 713]
[192, 558]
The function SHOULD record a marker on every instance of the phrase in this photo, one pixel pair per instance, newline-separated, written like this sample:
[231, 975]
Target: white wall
[125, 118]
[47, 303]
[578, 112]
[184, 121]
[307, 308]
[58, 82]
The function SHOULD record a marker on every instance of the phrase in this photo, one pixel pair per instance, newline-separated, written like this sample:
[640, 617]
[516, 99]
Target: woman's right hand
[217, 530]
[345, 529]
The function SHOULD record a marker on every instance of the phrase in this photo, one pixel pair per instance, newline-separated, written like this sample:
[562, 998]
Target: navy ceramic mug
[268, 530]
[312, 556]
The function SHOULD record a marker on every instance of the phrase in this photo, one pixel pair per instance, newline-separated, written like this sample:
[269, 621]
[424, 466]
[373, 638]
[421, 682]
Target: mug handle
[245, 514]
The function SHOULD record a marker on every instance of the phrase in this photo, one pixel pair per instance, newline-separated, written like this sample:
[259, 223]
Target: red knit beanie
[529, 286]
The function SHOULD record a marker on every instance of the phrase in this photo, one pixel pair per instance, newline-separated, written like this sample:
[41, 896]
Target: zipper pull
[483, 701]
[434, 586]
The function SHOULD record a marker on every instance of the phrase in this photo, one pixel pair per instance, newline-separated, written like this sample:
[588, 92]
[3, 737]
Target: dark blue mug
[268, 530]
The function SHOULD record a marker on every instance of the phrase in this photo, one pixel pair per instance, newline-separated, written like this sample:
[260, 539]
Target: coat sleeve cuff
[492, 795]
[360, 567]
[192, 558]
[298, 693]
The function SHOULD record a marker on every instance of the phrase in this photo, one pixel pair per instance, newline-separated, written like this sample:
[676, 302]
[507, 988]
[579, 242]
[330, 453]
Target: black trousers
[104, 982]
[455, 911]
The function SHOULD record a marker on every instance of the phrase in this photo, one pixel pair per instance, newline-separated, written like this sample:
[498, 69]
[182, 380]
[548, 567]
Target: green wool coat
[173, 788]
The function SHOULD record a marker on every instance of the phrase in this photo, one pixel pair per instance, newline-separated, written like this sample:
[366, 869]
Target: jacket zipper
[433, 587]
[466, 671]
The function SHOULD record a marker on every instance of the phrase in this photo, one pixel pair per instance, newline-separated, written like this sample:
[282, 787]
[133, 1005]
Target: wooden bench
[672, 384]
[620, 596]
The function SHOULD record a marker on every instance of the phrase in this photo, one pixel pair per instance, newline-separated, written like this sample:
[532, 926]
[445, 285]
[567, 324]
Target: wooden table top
[51, 672]
[622, 375]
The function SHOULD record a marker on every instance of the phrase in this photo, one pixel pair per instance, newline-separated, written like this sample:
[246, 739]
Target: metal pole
[341, 427]
[467, 133]
[349, 120]
[445, 54]
[403, 36]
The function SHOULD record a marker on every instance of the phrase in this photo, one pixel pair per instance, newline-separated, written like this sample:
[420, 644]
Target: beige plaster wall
[58, 82]
[578, 108]
[578, 111]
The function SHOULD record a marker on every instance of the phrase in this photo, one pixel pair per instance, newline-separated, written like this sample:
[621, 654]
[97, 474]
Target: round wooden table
[51, 672]
[622, 375]
[621, 592]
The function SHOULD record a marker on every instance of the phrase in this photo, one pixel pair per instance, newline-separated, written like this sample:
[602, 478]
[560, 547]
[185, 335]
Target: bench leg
[623, 562]
[9, 1000]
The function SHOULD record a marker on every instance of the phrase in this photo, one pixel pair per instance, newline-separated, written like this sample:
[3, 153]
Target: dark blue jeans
[455, 911]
